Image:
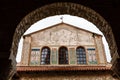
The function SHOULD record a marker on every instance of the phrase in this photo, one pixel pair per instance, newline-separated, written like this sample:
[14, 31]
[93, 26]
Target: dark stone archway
[59, 9]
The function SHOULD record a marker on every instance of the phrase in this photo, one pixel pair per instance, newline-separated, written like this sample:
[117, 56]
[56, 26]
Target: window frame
[67, 58]
[42, 56]
[81, 59]
[34, 51]
[93, 55]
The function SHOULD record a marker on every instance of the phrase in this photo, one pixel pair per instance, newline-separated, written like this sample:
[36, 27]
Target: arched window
[81, 55]
[63, 55]
[45, 56]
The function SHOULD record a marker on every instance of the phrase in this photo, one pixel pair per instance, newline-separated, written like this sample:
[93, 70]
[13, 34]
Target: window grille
[81, 55]
[45, 56]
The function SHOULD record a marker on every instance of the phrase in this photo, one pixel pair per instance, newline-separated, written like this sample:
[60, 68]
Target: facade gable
[47, 46]
[62, 34]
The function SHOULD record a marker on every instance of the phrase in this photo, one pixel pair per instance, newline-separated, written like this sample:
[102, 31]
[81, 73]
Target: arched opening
[69, 8]
[45, 56]
[81, 55]
[63, 55]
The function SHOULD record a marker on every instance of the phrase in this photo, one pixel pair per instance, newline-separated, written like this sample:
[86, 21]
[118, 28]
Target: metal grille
[45, 56]
[81, 55]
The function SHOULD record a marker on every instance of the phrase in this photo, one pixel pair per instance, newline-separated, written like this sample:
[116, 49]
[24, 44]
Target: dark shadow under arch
[63, 55]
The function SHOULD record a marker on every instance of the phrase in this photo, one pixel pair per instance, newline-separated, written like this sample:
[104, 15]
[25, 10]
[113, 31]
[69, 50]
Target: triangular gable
[61, 24]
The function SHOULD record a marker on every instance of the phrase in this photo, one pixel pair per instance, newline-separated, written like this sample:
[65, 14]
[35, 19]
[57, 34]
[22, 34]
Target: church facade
[63, 52]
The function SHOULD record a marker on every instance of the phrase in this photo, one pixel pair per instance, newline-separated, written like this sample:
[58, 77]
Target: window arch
[45, 55]
[81, 55]
[63, 55]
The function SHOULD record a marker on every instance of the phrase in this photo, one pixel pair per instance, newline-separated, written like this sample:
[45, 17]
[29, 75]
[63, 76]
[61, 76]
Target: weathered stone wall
[100, 50]
[26, 51]
[62, 35]
[75, 75]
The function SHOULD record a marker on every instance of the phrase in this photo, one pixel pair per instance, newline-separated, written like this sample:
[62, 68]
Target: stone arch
[59, 9]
